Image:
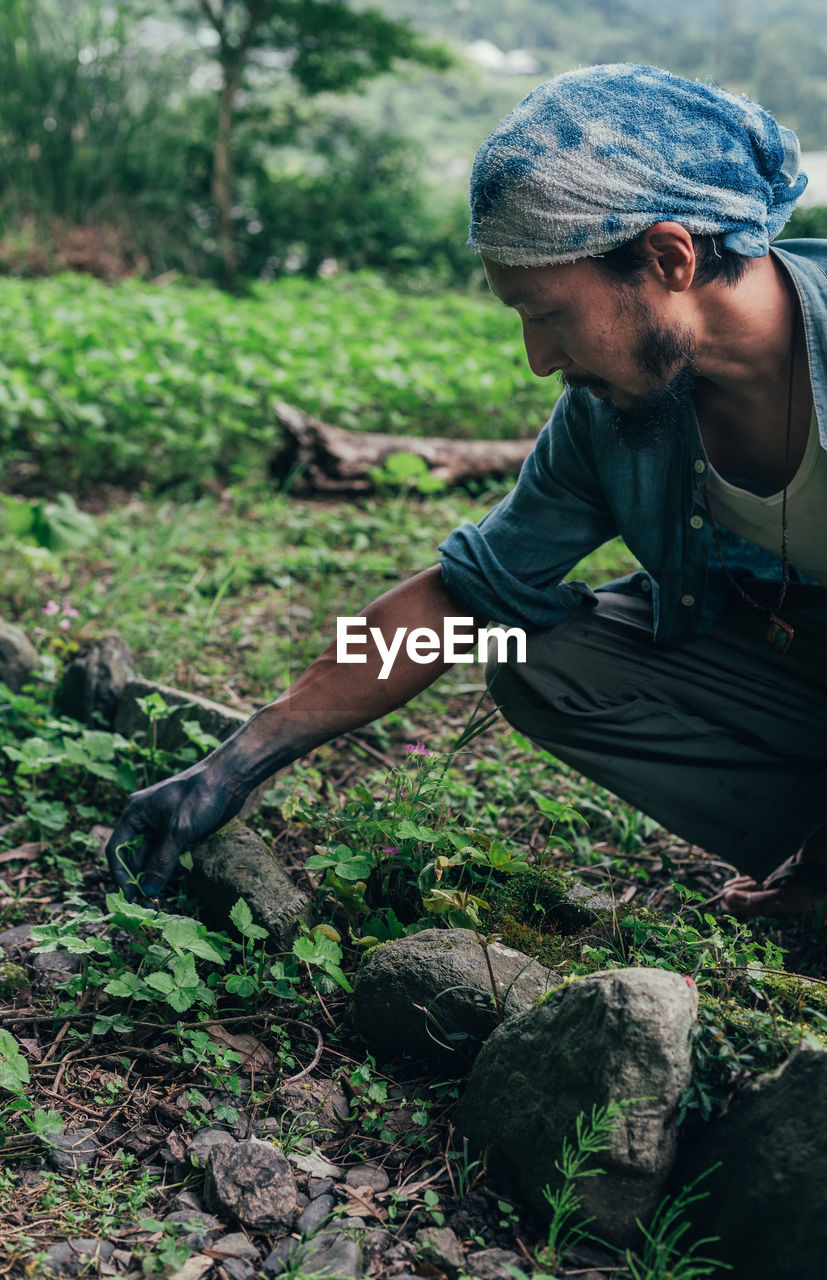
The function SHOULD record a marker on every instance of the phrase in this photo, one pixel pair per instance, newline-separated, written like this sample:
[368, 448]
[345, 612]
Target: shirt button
[696, 522]
[687, 601]
[700, 466]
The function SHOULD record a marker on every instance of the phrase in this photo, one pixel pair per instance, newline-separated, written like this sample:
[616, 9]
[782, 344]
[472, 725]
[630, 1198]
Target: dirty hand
[161, 821]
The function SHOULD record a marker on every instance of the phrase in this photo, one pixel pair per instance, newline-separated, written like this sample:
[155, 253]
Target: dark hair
[712, 261]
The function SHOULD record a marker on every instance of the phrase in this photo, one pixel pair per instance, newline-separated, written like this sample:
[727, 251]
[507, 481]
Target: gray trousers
[721, 739]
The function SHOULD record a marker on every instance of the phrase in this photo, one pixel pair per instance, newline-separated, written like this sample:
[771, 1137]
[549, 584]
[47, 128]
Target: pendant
[779, 634]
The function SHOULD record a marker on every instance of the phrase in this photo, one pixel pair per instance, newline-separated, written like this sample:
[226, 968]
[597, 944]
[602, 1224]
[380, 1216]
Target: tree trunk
[317, 458]
[222, 174]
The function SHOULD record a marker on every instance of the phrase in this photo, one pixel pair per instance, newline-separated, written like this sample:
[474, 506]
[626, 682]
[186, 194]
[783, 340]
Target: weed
[665, 1255]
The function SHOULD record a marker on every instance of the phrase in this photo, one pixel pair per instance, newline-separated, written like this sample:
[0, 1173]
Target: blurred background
[241, 140]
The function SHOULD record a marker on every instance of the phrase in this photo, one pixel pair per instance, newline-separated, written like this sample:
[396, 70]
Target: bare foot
[793, 889]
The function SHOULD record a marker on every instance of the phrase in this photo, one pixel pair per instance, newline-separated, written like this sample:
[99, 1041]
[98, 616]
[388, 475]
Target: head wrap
[593, 157]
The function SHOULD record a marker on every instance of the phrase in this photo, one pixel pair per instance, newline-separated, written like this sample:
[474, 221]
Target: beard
[667, 359]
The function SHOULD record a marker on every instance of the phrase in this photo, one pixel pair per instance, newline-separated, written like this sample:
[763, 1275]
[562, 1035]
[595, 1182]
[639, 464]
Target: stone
[367, 1175]
[319, 1187]
[443, 972]
[320, 1102]
[253, 1184]
[15, 937]
[493, 1264]
[316, 1213]
[237, 1245]
[14, 982]
[192, 1269]
[18, 657]
[235, 863]
[280, 1257]
[94, 681]
[765, 1201]
[441, 1246]
[69, 1152]
[621, 1035]
[73, 1257]
[333, 1254]
[57, 966]
[213, 718]
[314, 1164]
[238, 1269]
[203, 1228]
[205, 1141]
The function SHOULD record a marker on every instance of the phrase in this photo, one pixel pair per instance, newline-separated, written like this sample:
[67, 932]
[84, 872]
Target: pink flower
[64, 624]
[51, 607]
[417, 749]
[391, 850]
[68, 611]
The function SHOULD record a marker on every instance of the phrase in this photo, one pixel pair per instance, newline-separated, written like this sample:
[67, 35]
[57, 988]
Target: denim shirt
[580, 487]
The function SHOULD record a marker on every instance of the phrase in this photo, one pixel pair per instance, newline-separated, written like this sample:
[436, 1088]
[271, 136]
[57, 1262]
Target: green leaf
[242, 918]
[14, 1070]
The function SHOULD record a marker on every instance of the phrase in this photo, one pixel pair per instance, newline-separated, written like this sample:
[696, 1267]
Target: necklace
[778, 634]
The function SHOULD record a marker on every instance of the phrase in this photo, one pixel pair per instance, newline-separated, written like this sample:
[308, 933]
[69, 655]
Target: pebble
[15, 938]
[367, 1175]
[237, 1245]
[204, 1227]
[238, 1269]
[441, 1246]
[57, 964]
[311, 1218]
[70, 1152]
[314, 1164]
[71, 1257]
[492, 1264]
[278, 1258]
[336, 1254]
[204, 1142]
[319, 1187]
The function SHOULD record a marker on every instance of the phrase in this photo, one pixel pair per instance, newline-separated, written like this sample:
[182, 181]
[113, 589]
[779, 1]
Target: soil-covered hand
[160, 822]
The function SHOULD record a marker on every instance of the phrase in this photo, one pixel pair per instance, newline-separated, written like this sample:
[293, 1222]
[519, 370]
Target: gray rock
[215, 719]
[616, 1036]
[444, 972]
[367, 1175]
[237, 1245]
[205, 1141]
[57, 966]
[441, 1246]
[69, 1152]
[18, 658]
[238, 1269]
[333, 1254]
[199, 1229]
[236, 863]
[492, 1264]
[279, 1257]
[319, 1187]
[94, 681]
[314, 1164]
[311, 1218]
[15, 937]
[253, 1184]
[315, 1102]
[71, 1257]
[765, 1201]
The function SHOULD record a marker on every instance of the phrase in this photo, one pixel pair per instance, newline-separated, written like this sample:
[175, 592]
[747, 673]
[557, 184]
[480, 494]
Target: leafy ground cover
[141, 1037]
[136, 385]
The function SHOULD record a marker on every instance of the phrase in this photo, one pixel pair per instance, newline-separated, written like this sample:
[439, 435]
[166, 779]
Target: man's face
[607, 338]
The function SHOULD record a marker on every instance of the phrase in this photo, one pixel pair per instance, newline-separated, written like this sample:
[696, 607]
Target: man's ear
[671, 254]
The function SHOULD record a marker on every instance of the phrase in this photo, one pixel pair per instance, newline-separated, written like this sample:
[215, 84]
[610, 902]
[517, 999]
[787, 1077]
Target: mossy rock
[14, 980]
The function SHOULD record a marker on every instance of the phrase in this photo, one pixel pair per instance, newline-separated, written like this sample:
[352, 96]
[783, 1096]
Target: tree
[327, 46]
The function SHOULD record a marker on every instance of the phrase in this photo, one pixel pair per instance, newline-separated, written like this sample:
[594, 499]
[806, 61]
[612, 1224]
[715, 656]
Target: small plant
[665, 1254]
[566, 1229]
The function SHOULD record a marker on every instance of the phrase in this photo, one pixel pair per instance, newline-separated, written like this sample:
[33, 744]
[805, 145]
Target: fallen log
[317, 458]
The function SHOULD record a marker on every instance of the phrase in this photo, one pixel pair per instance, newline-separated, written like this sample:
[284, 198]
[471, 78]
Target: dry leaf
[254, 1055]
[361, 1203]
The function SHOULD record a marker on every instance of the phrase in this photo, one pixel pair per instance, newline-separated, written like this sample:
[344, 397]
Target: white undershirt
[759, 519]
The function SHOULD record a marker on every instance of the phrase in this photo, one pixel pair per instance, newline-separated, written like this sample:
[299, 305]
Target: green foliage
[137, 385]
[566, 1227]
[665, 1254]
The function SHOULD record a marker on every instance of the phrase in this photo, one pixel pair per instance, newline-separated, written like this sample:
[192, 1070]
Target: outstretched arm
[328, 699]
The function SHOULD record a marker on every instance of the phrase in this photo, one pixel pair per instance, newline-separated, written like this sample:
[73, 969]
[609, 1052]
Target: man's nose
[545, 355]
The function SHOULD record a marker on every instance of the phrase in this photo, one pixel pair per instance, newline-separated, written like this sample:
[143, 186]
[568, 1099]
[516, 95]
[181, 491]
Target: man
[626, 214]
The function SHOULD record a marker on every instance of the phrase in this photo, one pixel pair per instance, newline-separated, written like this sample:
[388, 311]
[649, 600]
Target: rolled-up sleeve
[510, 567]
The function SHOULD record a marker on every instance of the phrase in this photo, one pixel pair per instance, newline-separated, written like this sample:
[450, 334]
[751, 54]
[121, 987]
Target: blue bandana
[592, 158]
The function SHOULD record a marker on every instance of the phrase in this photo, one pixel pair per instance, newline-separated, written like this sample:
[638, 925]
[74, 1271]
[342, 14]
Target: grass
[135, 385]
